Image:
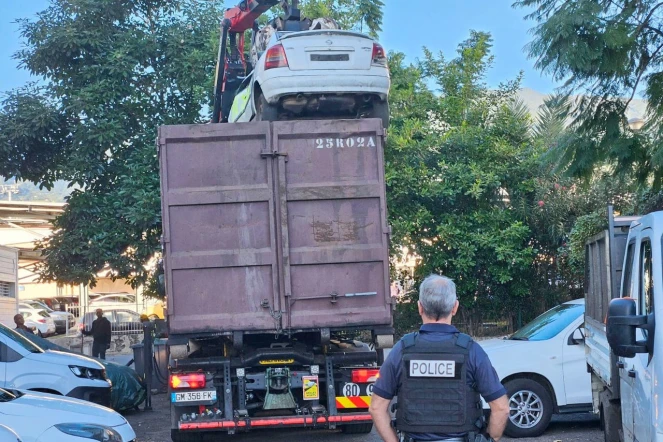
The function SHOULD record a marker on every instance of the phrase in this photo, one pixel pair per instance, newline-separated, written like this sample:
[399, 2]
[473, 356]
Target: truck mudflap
[313, 421]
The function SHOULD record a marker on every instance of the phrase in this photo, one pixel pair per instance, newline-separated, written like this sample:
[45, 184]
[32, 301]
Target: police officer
[438, 375]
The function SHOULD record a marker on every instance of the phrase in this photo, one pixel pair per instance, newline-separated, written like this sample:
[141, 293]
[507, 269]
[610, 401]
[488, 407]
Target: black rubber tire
[528, 385]
[381, 110]
[178, 436]
[357, 428]
[266, 111]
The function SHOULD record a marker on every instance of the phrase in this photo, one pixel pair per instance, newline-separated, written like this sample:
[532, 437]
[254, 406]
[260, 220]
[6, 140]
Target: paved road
[154, 427]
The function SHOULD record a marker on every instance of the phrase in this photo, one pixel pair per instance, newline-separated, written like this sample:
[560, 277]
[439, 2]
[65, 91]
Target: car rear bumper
[97, 395]
[292, 83]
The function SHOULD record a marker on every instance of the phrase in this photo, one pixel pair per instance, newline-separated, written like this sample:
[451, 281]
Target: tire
[357, 428]
[381, 110]
[530, 408]
[265, 111]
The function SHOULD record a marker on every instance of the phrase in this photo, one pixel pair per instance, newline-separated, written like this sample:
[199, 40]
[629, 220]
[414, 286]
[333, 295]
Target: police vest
[433, 396]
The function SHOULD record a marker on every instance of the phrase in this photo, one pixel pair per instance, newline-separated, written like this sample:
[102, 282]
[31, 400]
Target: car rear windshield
[549, 324]
[20, 339]
[43, 314]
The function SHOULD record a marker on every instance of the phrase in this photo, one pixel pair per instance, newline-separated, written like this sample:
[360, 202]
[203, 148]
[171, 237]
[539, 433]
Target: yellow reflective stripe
[353, 402]
[345, 402]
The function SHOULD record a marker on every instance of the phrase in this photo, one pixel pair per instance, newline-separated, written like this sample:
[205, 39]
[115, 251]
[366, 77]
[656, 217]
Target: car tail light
[276, 58]
[41, 321]
[379, 57]
[195, 380]
[364, 376]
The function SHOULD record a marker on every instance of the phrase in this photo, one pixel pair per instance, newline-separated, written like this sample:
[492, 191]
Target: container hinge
[273, 154]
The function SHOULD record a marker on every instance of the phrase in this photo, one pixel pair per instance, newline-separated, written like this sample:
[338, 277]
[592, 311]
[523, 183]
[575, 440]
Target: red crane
[231, 65]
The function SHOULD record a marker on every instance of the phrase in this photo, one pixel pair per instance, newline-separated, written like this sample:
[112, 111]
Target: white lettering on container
[432, 369]
[341, 143]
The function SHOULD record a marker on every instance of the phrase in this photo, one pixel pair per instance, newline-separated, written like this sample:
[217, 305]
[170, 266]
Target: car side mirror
[577, 338]
[620, 329]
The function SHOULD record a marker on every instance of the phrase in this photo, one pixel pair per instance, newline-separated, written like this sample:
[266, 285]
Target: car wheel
[265, 111]
[381, 110]
[530, 408]
[357, 428]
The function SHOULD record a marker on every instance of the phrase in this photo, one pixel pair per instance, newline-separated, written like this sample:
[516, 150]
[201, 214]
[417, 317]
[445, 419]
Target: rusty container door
[332, 223]
[218, 216]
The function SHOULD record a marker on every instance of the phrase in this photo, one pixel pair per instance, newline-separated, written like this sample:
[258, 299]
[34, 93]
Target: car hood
[496, 345]
[62, 358]
[37, 406]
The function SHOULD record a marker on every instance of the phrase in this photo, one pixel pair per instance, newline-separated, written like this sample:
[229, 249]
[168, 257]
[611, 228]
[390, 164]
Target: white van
[25, 366]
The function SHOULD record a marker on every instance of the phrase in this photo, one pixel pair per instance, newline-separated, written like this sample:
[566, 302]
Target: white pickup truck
[623, 283]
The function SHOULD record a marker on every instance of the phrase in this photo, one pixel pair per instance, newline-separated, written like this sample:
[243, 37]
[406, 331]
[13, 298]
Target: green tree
[459, 160]
[608, 51]
[113, 72]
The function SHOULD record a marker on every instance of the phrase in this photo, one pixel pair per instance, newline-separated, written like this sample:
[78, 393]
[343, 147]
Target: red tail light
[379, 57]
[195, 380]
[41, 321]
[365, 375]
[276, 58]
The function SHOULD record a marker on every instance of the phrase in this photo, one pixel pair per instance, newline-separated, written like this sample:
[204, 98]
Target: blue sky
[408, 26]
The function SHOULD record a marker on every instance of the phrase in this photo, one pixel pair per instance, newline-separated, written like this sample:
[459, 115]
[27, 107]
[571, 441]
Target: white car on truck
[316, 73]
[542, 366]
[623, 290]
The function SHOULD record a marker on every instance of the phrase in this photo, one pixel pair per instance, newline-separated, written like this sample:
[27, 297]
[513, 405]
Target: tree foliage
[608, 51]
[459, 163]
[361, 15]
[113, 72]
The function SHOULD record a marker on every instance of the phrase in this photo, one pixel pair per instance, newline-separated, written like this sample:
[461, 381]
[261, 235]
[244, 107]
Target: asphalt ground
[154, 426]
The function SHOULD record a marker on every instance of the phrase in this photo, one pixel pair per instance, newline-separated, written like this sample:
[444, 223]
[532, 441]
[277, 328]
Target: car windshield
[20, 340]
[40, 306]
[549, 324]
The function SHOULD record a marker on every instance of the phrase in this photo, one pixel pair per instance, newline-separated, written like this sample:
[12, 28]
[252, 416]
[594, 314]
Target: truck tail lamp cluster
[379, 56]
[193, 380]
[276, 58]
[365, 375]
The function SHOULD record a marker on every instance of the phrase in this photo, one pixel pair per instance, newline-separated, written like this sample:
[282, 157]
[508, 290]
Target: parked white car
[543, 368]
[114, 301]
[39, 319]
[60, 318]
[316, 73]
[41, 417]
[25, 366]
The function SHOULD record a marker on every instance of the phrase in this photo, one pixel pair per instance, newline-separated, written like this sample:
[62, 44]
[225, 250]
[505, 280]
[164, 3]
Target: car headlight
[89, 373]
[90, 431]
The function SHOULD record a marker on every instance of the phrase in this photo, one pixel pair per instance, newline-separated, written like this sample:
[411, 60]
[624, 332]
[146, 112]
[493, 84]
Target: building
[8, 285]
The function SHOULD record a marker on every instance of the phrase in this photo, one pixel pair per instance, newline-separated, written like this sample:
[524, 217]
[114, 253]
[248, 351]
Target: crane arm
[241, 17]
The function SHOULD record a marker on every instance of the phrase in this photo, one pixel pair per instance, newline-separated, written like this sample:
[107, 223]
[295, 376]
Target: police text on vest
[432, 369]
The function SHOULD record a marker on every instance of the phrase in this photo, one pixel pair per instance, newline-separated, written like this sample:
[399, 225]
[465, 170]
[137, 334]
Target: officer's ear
[420, 308]
[455, 309]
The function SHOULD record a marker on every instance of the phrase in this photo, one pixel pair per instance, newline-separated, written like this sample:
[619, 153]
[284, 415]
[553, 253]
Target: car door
[577, 381]
[629, 281]
[242, 110]
[642, 364]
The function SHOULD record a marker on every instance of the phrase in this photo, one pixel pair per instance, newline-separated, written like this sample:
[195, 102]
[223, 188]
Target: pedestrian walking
[101, 335]
[439, 376]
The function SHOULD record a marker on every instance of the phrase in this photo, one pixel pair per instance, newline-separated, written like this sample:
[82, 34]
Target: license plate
[193, 396]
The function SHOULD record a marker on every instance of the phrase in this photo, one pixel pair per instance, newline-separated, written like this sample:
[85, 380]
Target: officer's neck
[426, 320]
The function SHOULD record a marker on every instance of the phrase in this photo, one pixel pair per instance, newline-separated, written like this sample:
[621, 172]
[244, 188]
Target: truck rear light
[194, 380]
[379, 57]
[276, 58]
[365, 375]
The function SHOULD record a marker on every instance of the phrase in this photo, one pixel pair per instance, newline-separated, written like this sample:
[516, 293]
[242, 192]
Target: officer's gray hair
[437, 295]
